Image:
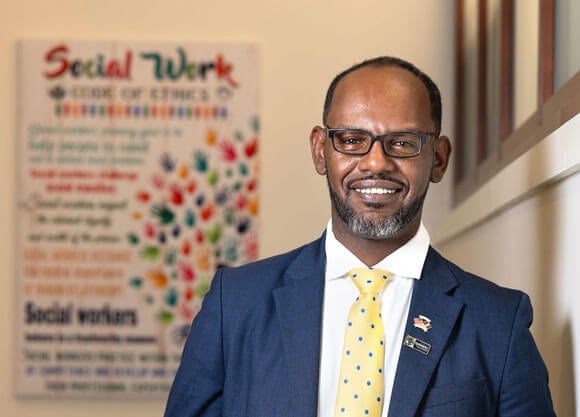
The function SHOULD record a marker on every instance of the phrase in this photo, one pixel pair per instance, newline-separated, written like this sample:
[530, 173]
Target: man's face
[376, 196]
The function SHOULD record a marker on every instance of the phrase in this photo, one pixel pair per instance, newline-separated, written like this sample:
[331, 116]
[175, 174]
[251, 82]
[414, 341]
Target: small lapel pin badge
[417, 344]
[422, 322]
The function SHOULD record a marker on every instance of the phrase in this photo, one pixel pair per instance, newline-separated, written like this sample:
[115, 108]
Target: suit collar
[430, 299]
[299, 308]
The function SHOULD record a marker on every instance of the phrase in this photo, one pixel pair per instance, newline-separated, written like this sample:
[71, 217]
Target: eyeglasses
[404, 144]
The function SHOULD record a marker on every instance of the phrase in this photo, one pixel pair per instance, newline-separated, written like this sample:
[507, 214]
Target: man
[272, 338]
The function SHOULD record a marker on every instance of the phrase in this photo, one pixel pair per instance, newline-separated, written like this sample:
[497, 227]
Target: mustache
[377, 177]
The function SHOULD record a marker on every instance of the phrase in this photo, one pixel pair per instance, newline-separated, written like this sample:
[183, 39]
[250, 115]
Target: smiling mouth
[375, 190]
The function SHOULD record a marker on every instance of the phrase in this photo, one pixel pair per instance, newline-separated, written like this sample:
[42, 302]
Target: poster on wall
[138, 178]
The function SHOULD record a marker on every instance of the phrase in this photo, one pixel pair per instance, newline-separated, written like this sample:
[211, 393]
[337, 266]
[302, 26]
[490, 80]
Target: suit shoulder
[273, 266]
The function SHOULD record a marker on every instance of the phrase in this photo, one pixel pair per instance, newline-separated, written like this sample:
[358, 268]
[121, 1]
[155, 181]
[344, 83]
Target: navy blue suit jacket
[254, 348]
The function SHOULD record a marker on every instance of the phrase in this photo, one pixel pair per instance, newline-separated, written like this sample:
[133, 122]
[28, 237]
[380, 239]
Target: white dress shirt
[406, 263]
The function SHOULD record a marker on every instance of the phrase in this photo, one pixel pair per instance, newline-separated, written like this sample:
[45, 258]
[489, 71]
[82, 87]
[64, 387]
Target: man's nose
[376, 160]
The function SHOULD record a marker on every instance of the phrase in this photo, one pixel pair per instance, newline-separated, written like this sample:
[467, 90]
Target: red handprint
[251, 186]
[199, 236]
[241, 202]
[191, 186]
[207, 212]
[251, 246]
[228, 151]
[157, 181]
[176, 194]
[186, 248]
[187, 313]
[251, 147]
[149, 230]
[143, 196]
[187, 274]
[188, 294]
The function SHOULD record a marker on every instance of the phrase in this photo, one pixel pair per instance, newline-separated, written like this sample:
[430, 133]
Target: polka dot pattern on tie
[360, 388]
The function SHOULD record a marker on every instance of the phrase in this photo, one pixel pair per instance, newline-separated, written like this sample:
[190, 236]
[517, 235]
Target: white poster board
[138, 177]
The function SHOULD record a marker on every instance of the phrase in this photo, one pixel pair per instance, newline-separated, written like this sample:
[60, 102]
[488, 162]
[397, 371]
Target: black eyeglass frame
[423, 136]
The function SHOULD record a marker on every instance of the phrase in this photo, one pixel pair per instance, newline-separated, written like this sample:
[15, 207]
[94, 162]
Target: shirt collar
[407, 261]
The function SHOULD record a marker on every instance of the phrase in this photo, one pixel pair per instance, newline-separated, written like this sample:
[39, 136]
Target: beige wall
[521, 230]
[303, 43]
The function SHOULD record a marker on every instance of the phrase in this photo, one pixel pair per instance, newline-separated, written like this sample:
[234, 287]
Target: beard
[375, 228]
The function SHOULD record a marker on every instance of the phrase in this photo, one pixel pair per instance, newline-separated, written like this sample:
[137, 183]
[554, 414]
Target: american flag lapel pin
[422, 322]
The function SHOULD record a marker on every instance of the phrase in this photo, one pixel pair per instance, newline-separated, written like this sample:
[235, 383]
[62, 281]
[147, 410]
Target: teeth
[375, 191]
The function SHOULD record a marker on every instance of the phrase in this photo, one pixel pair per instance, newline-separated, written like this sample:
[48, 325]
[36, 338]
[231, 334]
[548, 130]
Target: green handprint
[243, 168]
[171, 256]
[163, 213]
[150, 253]
[255, 122]
[133, 238]
[214, 234]
[202, 287]
[229, 216]
[212, 178]
[164, 317]
[231, 251]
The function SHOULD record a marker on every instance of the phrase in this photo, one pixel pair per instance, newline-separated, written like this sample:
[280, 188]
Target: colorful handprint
[197, 212]
[163, 213]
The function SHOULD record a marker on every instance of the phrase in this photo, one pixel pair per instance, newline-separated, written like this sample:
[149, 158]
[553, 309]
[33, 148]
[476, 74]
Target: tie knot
[369, 280]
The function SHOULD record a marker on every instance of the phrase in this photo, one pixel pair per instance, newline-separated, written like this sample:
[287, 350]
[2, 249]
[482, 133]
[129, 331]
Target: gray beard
[371, 228]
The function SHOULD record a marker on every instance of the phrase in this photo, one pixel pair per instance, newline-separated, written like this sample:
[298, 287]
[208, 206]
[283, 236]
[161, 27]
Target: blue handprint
[189, 218]
[200, 163]
[243, 225]
[167, 162]
[162, 237]
[222, 196]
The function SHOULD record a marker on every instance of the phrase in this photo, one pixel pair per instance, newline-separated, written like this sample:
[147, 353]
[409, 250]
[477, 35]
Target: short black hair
[388, 61]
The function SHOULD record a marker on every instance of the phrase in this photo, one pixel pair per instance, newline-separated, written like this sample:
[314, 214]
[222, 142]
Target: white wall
[521, 230]
[303, 44]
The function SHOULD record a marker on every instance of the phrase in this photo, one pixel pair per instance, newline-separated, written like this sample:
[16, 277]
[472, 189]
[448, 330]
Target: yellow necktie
[360, 386]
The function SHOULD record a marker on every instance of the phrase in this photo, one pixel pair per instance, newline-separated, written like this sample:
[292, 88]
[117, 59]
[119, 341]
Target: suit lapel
[415, 368]
[299, 308]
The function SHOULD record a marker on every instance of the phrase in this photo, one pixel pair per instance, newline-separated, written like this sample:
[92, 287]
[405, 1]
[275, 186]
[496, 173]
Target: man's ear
[317, 143]
[441, 155]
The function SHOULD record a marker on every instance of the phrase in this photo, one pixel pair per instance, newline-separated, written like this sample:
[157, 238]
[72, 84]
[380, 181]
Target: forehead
[384, 92]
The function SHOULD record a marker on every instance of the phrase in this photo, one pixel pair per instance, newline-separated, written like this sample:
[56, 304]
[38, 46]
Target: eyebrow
[385, 133]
